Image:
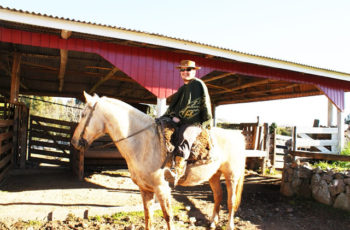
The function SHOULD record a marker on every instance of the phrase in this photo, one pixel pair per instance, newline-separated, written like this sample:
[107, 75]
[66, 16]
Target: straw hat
[187, 64]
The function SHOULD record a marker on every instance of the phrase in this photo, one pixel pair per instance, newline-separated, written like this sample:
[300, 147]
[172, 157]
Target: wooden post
[330, 113]
[24, 135]
[213, 109]
[274, 149]
[81, 165]
[340, 124]
[15, 78]
[161, 106]
[294, 141]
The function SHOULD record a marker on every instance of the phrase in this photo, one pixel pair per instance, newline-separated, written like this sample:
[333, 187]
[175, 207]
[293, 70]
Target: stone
[296, 183]
[295, 163]
[315, 179]
[328, 178]
[286, 189]
[289, 170]
[347, 180]
[336, 186]
[305, 189]
[305, 172]
[321, 193]
[318, 170]
[342, 202]
[347, 189]
[339, 176]
[330, 172]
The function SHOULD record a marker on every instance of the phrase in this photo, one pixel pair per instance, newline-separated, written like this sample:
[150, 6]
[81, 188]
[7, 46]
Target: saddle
[200, 150]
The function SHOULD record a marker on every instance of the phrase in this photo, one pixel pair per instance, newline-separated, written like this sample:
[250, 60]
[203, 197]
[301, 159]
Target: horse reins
[102, 146]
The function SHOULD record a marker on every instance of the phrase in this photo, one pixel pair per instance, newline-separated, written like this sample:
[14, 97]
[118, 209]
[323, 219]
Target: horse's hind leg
[231, 184]
[147, 199]
[217, 192]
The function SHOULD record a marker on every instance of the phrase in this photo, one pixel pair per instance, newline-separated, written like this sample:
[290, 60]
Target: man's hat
[187, 64]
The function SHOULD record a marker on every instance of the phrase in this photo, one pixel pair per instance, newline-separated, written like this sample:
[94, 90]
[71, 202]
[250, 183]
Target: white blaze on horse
[135, 135]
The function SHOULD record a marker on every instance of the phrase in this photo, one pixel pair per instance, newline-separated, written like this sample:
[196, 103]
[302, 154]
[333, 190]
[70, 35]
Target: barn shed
[50, 56]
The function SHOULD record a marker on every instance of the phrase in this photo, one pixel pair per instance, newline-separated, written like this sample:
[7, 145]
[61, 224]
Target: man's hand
[176, 119]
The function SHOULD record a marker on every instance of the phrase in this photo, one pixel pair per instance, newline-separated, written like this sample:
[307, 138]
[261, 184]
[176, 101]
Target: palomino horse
[135, 135]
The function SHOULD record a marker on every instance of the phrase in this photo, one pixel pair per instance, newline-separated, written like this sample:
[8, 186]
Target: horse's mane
[132, 110]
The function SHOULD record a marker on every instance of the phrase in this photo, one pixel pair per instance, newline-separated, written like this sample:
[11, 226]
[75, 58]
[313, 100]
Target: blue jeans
[187, 135]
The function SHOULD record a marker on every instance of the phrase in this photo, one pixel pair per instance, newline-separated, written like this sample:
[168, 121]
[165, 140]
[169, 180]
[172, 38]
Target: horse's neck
[123, 123]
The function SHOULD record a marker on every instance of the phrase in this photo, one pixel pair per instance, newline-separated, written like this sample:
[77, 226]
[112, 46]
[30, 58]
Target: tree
[347, 120]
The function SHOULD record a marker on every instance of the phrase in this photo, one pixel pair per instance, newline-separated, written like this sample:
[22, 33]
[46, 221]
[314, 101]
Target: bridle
[82, 142]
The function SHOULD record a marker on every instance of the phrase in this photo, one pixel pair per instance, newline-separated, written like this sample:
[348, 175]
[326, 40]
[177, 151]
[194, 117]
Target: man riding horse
[190, 109]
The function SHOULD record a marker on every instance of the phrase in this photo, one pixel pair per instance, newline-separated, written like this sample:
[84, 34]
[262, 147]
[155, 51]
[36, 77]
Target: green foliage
[272, 127]
[285, 131]
[55, 108]
[337, 165]
[227, 125]
[347, 120]
[346, 150]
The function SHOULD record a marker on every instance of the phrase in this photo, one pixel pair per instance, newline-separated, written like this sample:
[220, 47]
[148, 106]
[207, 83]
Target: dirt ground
[27, 200]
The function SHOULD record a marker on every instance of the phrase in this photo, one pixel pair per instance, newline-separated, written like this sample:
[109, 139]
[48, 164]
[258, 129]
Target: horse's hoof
[212, 226]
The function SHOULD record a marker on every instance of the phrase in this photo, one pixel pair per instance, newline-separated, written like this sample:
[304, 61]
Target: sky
[310, 32]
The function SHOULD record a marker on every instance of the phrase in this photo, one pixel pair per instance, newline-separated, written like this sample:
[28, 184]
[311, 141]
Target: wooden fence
[7, 137]
[6, 147]
[49, 141]
[281, 146]
[315, 139]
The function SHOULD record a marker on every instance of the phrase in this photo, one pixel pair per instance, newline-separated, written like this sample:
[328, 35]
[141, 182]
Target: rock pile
[326, 186]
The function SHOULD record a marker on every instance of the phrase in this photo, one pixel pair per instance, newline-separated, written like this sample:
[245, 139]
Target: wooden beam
[216, 86]
[218, 77]
[248, 85]
[321, 156]
[268, 90]
[65, 34]
[105, 78]
[15, 78]
[266, 98]
[63, 64]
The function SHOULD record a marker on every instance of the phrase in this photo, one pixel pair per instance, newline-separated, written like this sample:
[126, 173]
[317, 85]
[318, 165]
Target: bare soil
[28, 200]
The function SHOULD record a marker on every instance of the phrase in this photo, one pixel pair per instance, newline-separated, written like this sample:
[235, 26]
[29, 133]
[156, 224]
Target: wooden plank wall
[49, 141]
[7, 111]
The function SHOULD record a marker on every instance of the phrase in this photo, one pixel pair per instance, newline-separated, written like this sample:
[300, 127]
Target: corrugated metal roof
[174, 38]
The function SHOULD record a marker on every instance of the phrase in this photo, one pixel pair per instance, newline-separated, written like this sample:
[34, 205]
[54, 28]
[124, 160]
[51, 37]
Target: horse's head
[91, 125]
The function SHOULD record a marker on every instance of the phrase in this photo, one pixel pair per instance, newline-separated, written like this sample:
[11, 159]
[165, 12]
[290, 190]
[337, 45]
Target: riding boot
[180, 168]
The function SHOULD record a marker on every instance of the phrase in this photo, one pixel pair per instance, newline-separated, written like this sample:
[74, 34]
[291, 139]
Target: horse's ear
[88, 98]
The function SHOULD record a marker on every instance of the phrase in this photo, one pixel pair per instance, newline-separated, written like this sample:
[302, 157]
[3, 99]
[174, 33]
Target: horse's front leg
[147, 199]
[217, 193]
[164, 197]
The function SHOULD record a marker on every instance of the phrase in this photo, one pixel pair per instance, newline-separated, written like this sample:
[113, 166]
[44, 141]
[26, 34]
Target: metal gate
[49, 141]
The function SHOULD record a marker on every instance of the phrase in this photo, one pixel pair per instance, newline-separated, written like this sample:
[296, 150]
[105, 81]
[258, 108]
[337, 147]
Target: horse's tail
[239, 190]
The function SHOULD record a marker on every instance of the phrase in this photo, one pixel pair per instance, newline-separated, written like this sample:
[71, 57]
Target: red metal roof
[155, 69]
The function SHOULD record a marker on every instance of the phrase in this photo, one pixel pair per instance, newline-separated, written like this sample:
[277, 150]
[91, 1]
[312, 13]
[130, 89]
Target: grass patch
[127, 218]
[336, 165]
[33, 223]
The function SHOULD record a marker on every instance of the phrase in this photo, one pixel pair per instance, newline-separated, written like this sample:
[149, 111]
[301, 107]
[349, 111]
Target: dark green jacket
[191, 103]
